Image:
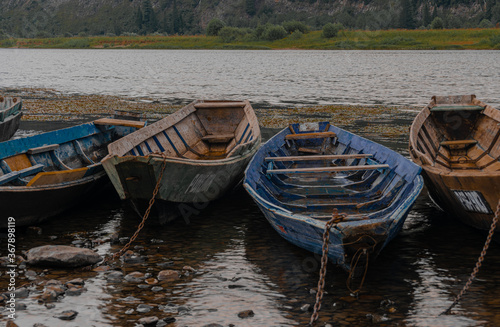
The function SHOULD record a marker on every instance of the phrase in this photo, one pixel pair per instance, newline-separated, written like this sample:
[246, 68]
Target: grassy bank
[356, 40]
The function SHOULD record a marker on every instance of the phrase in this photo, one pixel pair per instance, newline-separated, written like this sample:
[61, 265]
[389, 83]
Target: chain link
[479, 261]
[336, 218]
[144, 218]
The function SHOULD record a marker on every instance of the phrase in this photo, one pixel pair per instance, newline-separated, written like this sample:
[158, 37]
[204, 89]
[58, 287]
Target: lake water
[266, 78]
[240, 262]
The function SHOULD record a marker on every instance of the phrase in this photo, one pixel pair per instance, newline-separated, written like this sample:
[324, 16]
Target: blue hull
[374, 202]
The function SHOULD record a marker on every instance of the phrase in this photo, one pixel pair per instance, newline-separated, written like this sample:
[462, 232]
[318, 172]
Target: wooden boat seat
[322, 157]
[218, 138]
[308, 150]
[45, 148]
[458, 143]
[326, 169]
[120, 122]
[9, 177]
[456, 108]
[306, 136]
[216, 105]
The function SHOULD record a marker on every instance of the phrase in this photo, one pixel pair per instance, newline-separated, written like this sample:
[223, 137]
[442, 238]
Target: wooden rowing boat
[45, 174]
[204, 148]
[456, 140]
[10, 116]
[308, 173]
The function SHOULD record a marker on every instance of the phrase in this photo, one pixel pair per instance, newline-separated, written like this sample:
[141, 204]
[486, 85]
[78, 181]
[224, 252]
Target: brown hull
[456, 140]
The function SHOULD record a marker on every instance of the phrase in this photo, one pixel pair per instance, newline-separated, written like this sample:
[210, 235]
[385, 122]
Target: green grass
[373, 40]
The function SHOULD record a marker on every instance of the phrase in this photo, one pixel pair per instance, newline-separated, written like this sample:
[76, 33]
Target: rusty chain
[479, 261]
[144, 218]
[336, 218]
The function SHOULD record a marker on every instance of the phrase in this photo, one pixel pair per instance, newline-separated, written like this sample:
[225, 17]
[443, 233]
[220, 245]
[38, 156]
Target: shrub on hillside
[485, 23]
[294, 25]
[214, 27]
[273, 33]
[297, 35]
[230, 34]
[437, 24]
[332, 30]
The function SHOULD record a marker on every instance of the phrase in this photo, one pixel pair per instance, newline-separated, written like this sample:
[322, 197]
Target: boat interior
[9, 106]
[203, 130]
[37, 160]
[313, 173]
[460, 133]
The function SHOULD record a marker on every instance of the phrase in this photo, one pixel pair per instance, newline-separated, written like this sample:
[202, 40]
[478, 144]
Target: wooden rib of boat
[45, 174]
[456, 140]
[206, 145]
[305, 173]
[10, 116]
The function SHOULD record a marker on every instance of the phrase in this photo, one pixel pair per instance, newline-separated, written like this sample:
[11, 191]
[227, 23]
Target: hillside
[47, 18]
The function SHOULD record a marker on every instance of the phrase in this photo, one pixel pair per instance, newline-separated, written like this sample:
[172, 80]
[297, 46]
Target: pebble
[22, 265]
[148, 321]
[156, 288]
[49, 296]
[76, 281]
[143, 308]
[169, 320]
[246, 314]
[135, 277]
[143, 286]
[67, 315]
[30, 274]
[52, 237]
[305, 307]
[62, 256]
[151, 281]
[168, 275]
[56, 288]
[114, 276]
[74, 291]
[123, 240]
[22, 293]
[213, 325]
[50, 305]
[39, 325]
[20, 306]
[129, 311]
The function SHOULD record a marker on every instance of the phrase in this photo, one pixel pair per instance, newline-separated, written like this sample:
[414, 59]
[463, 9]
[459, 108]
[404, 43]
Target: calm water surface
[284, 77]
[240, 262]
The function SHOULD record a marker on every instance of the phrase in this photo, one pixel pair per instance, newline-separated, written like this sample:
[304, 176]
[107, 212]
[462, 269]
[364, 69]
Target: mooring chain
[144, 218]
[336, 218]
[479, 261]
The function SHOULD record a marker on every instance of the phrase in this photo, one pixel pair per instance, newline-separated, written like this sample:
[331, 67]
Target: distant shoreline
[445, 39]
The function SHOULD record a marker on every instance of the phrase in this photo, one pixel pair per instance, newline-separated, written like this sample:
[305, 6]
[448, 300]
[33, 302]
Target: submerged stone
[62, 256]
[67, 315]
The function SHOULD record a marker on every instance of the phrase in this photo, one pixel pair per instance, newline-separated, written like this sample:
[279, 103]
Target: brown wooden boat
[456, 140]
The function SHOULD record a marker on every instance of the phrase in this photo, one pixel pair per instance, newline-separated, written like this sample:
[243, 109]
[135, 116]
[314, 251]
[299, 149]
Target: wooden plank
[307, 150]
[44, 148]
[326, 169]
[57, 177]
[18, 162]
[458, 142]
[119, 122]
[221, 138]
[215, 105]
[20, 173]
[457, 108]
[321, 157]
[303, 136]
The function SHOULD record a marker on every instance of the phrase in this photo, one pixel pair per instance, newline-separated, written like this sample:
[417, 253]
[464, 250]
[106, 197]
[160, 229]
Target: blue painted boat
[10, 116]
[305, 173]
[45, 174]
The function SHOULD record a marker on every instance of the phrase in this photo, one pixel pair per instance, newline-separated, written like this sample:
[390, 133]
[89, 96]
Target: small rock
[129, 311]
[39, 325]
[30, 274]
[123, 240]
[52, 237]
[151, 281]
[61, 256]
[50, 305]
[10, 323]
[101, 268]
[168, 275]
[20, 306]
[74, 291]
[132, 258]
[53, 282]
[67, 315]
[169, 320]
[135, 277]
[246, 314]
[213, 325]
[188, 268]
[113, 238]
[22, 293]
[305, 307]
[56, 288]
[156, 288]
[114, 276]
[49, 296]
[156, 241]
[143, 286]
[143, 308]
[312, 291]
[22, 265]
[76, 281]
[148, 321]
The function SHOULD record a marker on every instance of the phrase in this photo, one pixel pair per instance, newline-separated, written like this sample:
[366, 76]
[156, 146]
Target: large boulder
[61, 256]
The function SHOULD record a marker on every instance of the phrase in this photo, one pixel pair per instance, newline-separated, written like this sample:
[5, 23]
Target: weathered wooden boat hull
[300, 217]
[33, 205]
[10, 116]
[456, 142]
[9, 127]
[45, 174]
[183, 142]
